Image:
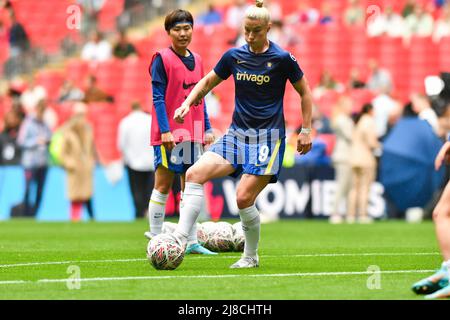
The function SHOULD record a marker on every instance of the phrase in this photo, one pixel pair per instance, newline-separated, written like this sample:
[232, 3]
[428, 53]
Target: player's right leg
[157, 204]
[247, 191]
[210, 165]
[437, 285]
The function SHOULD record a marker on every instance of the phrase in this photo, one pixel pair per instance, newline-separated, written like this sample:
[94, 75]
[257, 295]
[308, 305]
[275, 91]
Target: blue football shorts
[256, 156]
[180, 159]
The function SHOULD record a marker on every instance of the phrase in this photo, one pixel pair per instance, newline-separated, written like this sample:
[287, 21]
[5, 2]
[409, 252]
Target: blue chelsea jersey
[260, 82]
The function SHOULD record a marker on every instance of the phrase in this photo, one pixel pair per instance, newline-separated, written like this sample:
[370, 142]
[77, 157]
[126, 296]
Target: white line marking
[228, 257]
[340, 255]
[66, 262]
[269, 275]
[14, 282]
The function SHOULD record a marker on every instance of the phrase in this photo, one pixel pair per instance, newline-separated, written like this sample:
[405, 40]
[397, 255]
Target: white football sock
[189, 210]
[447, 265]
[156, 211]
[251, 224]
[192, 238]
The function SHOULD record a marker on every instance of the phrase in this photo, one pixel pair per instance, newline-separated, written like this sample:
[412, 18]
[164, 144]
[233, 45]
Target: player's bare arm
[443, 155]
[200, 90]
[304, 141]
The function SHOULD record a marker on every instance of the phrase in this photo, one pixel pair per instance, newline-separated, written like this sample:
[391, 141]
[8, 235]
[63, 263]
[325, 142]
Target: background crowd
[368, 63]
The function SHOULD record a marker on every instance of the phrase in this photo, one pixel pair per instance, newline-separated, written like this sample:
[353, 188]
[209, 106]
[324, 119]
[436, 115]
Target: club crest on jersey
[259, 79]
[269, 64]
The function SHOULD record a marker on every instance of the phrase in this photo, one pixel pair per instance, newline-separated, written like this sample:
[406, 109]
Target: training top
[260, 82]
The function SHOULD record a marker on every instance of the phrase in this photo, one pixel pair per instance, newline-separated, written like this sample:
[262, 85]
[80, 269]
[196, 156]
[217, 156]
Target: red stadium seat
[145, 49]
[45, 22]
[52, 81]
[108, 14]
[109, 75]
[77, 71]
[360, 97]
[327, 101]
[444, 54]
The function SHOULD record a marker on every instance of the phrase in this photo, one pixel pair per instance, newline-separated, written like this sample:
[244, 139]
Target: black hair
[408, 110]
[177, 16]
[367, 107]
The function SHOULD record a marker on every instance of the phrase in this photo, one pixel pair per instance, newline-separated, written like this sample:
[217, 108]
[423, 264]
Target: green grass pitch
[298, 260]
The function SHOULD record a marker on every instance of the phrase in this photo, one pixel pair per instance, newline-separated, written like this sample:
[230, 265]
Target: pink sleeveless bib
[180, 82]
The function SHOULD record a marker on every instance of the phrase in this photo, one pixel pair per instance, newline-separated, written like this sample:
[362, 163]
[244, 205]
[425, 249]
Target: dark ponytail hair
[365, 110]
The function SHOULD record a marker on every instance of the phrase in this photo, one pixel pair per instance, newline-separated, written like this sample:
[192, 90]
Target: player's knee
[163, 186]
[244, 199]
[441, 212]
[164, 189]
[194, 175]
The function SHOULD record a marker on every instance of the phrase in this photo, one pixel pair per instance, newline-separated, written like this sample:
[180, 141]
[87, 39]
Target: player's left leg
[441, 217]
[437, 285]
[193, 247]
[211, 165]
[247, 191]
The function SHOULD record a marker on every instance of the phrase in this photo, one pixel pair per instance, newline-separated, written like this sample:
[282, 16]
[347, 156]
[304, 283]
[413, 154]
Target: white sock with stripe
[189, 210]
[156, 211]
[251, 224]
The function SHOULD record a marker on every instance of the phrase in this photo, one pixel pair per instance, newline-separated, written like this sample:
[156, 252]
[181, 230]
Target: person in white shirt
[134, 144]
[386, 112]
[388, 23]
[96, 50]
[442, 25]
[421, 105]
[380, 80]
[420, 23]
[31, 96]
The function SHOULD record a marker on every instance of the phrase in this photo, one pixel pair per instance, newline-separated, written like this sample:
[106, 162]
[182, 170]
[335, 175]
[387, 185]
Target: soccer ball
[222, 238]
[164, 253]
[205, 233]
[202, 234]
[238, 237]
[168, 227]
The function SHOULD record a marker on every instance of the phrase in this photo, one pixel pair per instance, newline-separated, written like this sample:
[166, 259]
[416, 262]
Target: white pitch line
[227, 257]
[220, 276]
[14, 282]
[341, 255]
[65, 262]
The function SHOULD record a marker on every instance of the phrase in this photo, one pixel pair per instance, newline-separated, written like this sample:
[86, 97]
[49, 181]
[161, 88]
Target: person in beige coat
[78, 159]
[363, 163]
[342, 125]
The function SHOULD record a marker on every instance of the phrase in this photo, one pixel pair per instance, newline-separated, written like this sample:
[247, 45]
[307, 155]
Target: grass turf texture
[286, 247]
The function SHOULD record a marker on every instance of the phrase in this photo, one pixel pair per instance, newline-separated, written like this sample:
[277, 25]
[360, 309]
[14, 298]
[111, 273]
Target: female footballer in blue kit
[254, 144]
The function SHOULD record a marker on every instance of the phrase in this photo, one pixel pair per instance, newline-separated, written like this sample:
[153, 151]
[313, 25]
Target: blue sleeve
[223, 67]
[291, 68]
[159, 86]
[207, 123]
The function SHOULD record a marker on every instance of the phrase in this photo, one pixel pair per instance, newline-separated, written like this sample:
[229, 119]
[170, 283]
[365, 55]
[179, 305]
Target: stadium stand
[334, 47]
